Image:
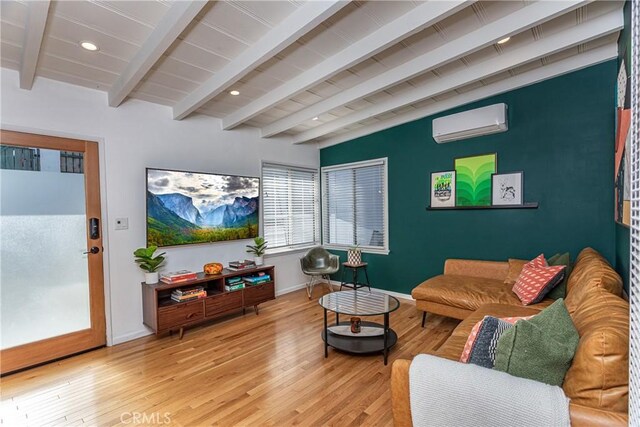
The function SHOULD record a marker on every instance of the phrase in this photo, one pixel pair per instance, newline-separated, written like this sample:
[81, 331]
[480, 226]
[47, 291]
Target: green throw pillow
[553, 258]
[560, 290]
[540, 348]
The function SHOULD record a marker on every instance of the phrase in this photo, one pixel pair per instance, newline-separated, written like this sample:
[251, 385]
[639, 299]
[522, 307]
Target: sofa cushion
[469, 267]
[560, 290]
[537, 262]
[535, 282]
[591, 270]
[599, 374]
[467, 292]
[515, 267]
[452, 348]
[480, 348]
[472, 339]
[541, 348]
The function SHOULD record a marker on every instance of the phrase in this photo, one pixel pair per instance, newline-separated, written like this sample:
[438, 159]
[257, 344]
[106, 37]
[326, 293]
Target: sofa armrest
[592, 417]
[400, 404]
[474, 268]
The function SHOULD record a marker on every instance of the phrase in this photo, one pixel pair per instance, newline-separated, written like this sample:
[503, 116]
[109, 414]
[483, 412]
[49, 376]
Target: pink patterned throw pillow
[539, 261]
[536, 280]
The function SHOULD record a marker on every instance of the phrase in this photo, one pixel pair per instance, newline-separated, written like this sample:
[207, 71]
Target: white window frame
[385, 218]
[634, 244]
[317, 213]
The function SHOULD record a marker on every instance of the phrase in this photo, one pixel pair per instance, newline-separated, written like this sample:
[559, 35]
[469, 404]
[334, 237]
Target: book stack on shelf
[178, 276]
[256, 280]
[182, 295]
[241, 265]
[233, 284]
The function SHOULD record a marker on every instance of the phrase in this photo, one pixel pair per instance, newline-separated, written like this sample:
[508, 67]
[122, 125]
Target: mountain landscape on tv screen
[185, 208]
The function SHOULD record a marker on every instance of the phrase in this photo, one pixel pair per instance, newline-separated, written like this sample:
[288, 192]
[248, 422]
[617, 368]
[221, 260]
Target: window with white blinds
[290, 211]
[634, 285]
[354, 205]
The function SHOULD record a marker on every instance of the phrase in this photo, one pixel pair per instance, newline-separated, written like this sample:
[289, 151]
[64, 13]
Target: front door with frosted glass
[51, 273]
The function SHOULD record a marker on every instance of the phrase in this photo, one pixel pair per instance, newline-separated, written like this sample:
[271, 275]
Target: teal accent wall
[623, 254]
[561, 134]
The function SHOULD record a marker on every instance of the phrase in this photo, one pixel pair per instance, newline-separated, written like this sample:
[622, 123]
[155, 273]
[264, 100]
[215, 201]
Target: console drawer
[220, 304]
[254, 295]
[180, 314]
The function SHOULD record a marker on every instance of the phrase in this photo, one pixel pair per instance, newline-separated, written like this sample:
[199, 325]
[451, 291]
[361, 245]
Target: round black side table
[354, 270]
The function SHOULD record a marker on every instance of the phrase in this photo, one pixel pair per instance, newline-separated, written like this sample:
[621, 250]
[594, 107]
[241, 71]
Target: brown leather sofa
[465, 286]
[597, 382]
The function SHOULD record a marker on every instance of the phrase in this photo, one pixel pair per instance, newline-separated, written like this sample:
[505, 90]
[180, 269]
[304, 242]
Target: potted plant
[257, 249]
[149, 263]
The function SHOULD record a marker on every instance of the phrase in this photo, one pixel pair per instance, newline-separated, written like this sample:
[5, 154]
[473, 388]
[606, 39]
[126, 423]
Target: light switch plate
[122, 223]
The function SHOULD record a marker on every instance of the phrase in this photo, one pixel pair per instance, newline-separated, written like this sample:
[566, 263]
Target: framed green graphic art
[473, 179]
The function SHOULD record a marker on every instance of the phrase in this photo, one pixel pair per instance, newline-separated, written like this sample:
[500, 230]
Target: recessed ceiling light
[234, 93]
[315, 118]
[89, 46]
[504, 40]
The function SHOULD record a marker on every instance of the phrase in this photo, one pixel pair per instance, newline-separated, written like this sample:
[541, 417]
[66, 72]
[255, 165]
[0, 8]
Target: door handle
[93, 250]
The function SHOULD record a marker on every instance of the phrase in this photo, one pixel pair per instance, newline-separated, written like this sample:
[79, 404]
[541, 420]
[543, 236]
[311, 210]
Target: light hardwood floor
[246, 370]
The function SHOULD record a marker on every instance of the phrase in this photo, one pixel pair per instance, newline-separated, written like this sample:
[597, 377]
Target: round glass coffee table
[373, 337]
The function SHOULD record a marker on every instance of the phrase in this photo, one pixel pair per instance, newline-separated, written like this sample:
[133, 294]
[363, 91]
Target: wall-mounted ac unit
[468, 124]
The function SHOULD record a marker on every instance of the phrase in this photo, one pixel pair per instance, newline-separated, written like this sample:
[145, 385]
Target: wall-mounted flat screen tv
[191, 207]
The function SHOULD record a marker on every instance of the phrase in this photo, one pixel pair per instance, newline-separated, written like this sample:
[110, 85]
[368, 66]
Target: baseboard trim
[282, 291]
[396, 294]
[336, 284]
[130, 336]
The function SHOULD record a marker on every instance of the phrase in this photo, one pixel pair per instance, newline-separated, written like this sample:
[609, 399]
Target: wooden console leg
[255, 308]
[424, 317]
[181, 333]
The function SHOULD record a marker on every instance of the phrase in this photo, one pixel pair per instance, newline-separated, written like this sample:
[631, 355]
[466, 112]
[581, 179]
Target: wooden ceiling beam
[33, 34]
[304, 19]
[484, 36]
[579, 34]
[173, 23]
[386, 36]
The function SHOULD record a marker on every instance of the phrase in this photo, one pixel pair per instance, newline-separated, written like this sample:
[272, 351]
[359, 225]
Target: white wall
[134, 136]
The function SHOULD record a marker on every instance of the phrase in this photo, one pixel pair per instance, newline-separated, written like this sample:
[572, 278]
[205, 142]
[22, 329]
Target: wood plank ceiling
[319, 71]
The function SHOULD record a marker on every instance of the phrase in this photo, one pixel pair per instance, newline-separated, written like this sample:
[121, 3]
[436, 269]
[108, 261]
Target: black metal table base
[360, 344]
[355, 285]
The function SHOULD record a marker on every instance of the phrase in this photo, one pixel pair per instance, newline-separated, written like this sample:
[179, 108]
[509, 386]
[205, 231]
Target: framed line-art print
[473, 179]
[507, 189]
[443, 189]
